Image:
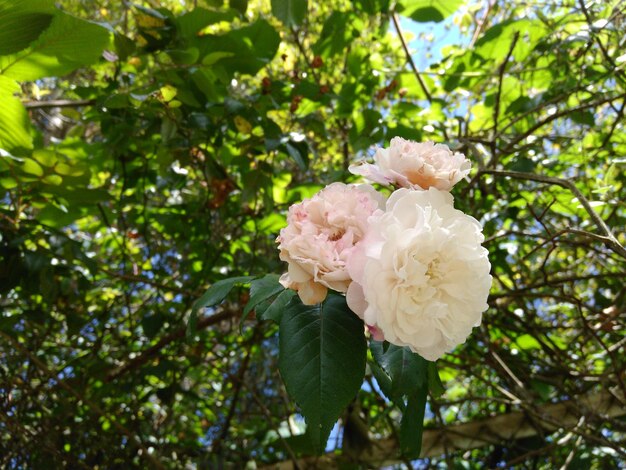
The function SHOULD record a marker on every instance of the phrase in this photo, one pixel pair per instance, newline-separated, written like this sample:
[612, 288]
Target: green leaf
[322, 361]
[290, 12]
[67, 44]
[430, 10]
[184, 56]
[14, 121]
[152, 324]
[54, 180]
[240, 5]
[215, 57]
[218, 292]
[335, 35]
[251, 47]
[190, 24]
[583, 117]
[434, 381]
[22, 22]
[496, 41]
[384, 382]
[275, 310]
[192, 325]
[412, 424]
[527, 342]
[55, 217]
[32, 167]
[45, 157]
[407, 370]
[405, 374]
[299, 152]
[262, 289]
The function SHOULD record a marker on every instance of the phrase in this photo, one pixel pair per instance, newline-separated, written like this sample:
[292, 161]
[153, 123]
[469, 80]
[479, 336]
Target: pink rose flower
[321, 233]
[413, 165]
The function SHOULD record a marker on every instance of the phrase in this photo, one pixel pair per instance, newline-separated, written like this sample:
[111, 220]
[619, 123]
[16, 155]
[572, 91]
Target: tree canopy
[149, 153]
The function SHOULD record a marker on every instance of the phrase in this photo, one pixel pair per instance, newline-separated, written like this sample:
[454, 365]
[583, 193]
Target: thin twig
[409, 58]
[496, 109]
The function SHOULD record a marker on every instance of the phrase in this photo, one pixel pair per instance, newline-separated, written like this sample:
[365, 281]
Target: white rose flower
[421, 275]
[414, 165]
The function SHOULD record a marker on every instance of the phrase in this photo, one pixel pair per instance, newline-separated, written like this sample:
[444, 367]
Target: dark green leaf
[407, 370]
[184, 56]
[412, 424]
[192, 325]
[298, 151]
[195, 21]
[275, 310]
[152, 324]
[251, 47]
[20, 29]
[262, 289]
[240, 5]
[218, 292]
[434, 381]
[322, 361]
[335, 35]
[430, 10]
[290, 12]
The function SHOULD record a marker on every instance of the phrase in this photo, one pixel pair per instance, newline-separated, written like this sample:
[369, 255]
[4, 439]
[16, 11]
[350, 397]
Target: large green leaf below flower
[322, 361]
[405, 374]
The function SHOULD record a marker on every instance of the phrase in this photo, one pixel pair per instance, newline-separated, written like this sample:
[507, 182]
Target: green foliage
[149, 154]
[62, 47]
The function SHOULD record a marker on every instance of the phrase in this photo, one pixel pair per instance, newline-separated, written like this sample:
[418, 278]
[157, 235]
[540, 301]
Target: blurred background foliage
[149, 150]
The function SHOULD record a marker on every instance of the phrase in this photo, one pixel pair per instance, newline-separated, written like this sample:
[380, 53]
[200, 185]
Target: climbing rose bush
[412, 268]
[421, 275]
[414, 165]
[321, 233]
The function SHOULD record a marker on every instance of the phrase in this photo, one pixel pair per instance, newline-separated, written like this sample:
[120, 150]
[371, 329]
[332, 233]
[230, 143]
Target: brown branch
[496, 109]
[558, 115]
[150, 282]
[57, 104]
[481, 24]
[409, 58]
[610, 239]
[176, 335]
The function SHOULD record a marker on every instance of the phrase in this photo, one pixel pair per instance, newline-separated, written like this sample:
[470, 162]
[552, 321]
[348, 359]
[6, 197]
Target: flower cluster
[412, 266]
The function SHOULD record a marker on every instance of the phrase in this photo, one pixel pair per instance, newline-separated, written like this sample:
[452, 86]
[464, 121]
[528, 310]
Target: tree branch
[409, 59]
[475, 434]
[610, 239]
[57, 104]
[152, 351]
